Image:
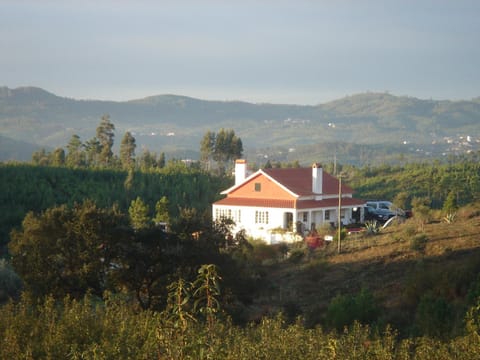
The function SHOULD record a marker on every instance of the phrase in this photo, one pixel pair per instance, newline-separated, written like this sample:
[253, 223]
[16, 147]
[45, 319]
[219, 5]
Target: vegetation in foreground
[87, 329]
[344, 306]
[110, 284]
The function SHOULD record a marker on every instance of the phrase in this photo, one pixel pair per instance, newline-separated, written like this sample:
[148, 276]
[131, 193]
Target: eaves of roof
[289, 204]
[329, 203]
[264, 203]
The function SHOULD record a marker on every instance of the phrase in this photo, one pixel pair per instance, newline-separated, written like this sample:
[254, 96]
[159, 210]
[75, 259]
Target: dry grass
[385, 263]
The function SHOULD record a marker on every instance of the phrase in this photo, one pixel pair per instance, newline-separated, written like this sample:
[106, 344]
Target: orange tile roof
[299, 181]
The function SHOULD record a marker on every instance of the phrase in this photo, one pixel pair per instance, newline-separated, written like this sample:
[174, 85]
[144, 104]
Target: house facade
[285, 204]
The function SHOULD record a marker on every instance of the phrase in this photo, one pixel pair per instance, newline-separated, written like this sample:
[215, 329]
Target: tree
[161, 211]
[221, 147]
[58, 157]
[138, 212]
[147, 160]
[128, 183]
[450, 203]
[161, 160]
[40, 157]
[105, 135]
[67, 250]
[237, 148]
[188, 223]
[92, 151]
[207, 147]
[75, 156]
[127, 150]
[223, 142]
[401, 200]
[421, 210]
[147, 261]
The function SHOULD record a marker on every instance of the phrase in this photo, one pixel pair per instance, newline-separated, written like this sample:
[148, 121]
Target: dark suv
[379, 214]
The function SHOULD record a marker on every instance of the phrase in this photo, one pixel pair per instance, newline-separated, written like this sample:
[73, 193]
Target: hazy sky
[298, 51]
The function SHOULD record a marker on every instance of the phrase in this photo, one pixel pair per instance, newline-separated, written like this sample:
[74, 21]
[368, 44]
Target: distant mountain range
[175, 124]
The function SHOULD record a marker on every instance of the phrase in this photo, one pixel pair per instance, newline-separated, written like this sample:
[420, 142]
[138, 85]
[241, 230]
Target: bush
[263, 252]
[296, 255]
[419, 242]
[434, 316]
[343, 310]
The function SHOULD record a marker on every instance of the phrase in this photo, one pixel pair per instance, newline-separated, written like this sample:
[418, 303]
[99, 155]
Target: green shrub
[262, 252]
[343, 310]
[419, 242]
[434, 316]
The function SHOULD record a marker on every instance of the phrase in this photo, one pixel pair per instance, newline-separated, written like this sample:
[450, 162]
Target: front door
[288, 221]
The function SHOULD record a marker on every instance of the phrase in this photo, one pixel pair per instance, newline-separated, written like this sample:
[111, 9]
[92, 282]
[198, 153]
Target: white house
[284, 204]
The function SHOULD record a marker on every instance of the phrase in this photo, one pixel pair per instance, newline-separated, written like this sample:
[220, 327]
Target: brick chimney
[317, 178]
[240, 171]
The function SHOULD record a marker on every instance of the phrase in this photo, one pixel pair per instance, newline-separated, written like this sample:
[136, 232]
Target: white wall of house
[268, 223]
[256, 221]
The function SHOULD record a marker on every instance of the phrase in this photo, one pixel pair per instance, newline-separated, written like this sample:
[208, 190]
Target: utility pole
[339, 210]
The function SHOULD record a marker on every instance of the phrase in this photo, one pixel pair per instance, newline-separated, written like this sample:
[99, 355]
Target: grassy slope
[386, 265]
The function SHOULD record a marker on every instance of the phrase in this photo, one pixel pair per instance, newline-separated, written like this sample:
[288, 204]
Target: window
[227, 214]
[258, 187]
[261, 217]
[327, 214]
[305, 217]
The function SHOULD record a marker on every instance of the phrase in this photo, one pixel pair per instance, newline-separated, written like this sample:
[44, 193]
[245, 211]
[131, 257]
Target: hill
[390, 266]
[16, 150]
[171, 123]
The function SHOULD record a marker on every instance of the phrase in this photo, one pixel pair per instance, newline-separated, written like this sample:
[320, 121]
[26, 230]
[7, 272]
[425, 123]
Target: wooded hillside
[175, 124]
